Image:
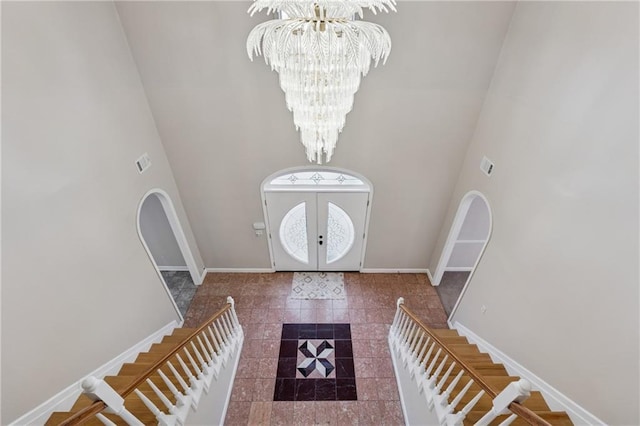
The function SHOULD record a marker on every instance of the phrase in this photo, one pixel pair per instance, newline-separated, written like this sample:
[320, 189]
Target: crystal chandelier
[320, 52]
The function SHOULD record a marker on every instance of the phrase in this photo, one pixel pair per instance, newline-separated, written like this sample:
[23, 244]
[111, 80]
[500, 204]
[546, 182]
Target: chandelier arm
[320, 54]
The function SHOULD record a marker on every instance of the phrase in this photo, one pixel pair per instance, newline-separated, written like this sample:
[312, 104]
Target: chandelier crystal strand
[320, 54]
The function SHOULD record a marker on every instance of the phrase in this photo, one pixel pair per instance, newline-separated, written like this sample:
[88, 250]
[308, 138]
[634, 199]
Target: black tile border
[340, 388]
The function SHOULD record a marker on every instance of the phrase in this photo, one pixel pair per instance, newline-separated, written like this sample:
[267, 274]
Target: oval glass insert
[293, 233]
[340, 233]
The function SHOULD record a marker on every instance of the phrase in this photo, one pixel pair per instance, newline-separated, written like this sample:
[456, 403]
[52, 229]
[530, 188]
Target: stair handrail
[520, 410]
[98, 406]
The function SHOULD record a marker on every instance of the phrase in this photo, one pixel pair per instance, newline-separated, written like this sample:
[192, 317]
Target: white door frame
[454, 231]
[295, 188]
[178, 232]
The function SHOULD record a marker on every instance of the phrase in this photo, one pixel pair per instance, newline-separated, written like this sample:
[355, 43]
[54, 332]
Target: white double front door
[317, 231]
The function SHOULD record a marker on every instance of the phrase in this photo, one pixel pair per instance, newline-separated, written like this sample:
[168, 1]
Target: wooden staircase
[458, 383]
[497, 377]
[164, 383]
[126, 377]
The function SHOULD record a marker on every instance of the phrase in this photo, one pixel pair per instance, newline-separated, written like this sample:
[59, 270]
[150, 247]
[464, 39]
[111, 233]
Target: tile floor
[263, 306]
[181, 287]
[450, 287]
[315, 363]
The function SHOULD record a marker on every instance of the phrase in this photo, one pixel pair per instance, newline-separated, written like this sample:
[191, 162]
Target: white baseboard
[458, 269]
[403, 405]
[430, 277]
[64, 400]
[233, 378]
[393, 271]
[241, 270]
[556, 400]
[173, 268]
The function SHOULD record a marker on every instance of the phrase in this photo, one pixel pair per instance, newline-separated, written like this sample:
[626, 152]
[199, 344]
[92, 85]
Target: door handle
[320, 240]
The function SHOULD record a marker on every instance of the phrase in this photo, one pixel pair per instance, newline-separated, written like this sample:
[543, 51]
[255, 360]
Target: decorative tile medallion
[315, 363]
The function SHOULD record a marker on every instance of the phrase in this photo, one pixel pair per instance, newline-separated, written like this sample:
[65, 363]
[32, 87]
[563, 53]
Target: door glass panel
[340, 233]
[293, 233]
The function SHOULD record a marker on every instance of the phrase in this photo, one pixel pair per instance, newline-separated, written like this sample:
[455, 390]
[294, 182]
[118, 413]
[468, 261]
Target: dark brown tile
[285, 390]
[286, 368]
[346, 390]
[305, 390]
[325, 390]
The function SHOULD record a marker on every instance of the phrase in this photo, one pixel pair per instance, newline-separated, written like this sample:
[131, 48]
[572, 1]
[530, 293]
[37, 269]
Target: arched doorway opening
[466, 242]
[316, 218]
[166, 245]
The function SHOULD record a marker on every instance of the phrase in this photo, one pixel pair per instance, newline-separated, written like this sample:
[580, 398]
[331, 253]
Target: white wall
[559, 276]
[158, 235]
[77, 285]
[225, 126]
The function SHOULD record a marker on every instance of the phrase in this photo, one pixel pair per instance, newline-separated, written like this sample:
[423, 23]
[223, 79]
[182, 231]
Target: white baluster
[445, 377]
[425, 378]
[181, 399]
[459, 396]
[205, 352]
[214, 339]
[415, 346]
[420, 359]
[440, 399]
[444, 397]
[216, 362]
[404, 323]
[187, 390]
[221, 339]
[207, 371]
[433, 363]
[195, 387]
[201, 361]
[221, 347]
[163, 419]
[405, 344]
[509, 420]
[220, 331]
[194, 364]
[233, 310]
[431, 382]
[457, 418]
[424, 362]
[225, 326]
[105, 420]
[99, 390]
[163, 398]
[515, 391]
[212, 352]
[396, 317]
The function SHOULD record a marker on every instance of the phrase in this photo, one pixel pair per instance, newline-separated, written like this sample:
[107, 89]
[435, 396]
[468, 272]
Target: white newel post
[98, 390]
[515, 391]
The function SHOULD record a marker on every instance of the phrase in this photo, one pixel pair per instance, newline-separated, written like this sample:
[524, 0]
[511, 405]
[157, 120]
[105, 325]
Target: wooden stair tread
[445, 332]
[535, 402]
[556, 418]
